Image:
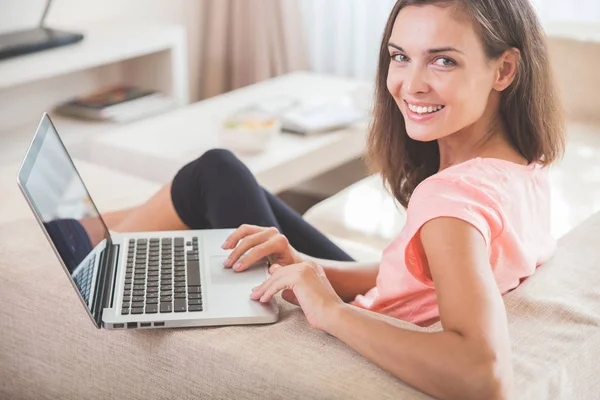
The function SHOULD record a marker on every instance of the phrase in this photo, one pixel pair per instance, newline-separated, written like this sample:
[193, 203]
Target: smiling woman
[466, 121]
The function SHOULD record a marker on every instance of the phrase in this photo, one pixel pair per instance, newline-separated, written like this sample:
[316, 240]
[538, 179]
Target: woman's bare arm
[471, 358]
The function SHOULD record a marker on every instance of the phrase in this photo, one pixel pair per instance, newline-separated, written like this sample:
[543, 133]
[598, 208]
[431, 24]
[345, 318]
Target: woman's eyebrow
[430, 51]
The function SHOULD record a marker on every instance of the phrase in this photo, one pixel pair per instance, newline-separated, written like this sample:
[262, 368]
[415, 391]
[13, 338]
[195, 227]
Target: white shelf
[102, 45]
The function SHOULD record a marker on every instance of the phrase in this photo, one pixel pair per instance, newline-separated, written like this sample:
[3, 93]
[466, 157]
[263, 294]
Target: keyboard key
[152, 295]
[166, 299]
[166, 307]
[180, 295]
[179, 284]
[193, 289]
[180, 289]
[166, 293]
[152, 301]
[139, 287]
[179, 241]
[195, 302]
[195, 296]
[125, 311]
[139, 292]
[179, 305]
[193, 273]
[137, 310]
[195, 308]
[138, 298]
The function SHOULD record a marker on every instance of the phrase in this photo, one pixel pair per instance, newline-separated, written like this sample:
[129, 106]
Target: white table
[156, 148]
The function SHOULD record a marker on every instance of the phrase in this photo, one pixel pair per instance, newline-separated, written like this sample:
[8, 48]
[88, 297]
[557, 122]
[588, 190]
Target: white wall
[15, 14]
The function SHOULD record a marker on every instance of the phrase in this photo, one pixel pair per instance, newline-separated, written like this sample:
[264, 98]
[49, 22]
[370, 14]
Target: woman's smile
[421, 112]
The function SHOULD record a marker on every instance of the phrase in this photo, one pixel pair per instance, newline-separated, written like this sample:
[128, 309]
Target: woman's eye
[399, 58]
[444, 62]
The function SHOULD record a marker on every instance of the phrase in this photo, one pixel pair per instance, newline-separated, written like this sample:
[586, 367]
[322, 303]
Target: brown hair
[529, 107]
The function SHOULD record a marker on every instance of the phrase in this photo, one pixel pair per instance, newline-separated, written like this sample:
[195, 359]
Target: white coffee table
[156, 148]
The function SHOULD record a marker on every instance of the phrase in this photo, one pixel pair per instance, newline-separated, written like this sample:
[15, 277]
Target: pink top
[507, 202]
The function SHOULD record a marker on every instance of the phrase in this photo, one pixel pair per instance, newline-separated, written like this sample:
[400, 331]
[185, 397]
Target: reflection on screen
[67, 212]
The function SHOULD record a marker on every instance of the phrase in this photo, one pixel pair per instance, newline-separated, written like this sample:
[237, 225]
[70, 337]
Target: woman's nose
[416, 81]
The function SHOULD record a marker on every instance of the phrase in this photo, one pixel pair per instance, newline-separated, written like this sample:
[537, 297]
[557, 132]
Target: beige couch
[50, 350]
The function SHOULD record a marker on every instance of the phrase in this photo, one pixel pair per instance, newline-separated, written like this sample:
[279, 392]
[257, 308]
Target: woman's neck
[487, 137]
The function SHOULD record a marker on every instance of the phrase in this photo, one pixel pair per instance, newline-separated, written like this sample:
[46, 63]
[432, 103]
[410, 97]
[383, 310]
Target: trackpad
[255, 275]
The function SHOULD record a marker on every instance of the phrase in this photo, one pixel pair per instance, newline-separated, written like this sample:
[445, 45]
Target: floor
[575, 180]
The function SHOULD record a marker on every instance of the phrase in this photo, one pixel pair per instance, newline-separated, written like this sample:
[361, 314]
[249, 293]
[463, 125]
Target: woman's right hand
[252, 243]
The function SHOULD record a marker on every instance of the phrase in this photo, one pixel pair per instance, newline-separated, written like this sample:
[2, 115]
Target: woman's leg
[157, 214]
[114, 218]
[218, 191]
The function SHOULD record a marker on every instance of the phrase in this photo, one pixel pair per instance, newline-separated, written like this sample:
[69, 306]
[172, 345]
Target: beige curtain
[246, 41]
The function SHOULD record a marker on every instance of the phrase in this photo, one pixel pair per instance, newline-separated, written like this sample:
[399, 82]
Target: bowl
[249, 132]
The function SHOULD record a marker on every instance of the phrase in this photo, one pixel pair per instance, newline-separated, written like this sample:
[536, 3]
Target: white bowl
[249, 132]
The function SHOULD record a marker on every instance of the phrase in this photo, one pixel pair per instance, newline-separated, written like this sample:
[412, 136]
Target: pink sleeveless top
[507, 202]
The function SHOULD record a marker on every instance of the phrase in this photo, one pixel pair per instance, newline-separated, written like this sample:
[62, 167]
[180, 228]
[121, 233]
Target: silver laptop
[134, 280]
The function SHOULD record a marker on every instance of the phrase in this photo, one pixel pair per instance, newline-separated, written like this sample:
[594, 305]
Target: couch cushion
[50, 349]
[554, 321]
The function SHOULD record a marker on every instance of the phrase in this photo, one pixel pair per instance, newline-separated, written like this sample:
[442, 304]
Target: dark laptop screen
[63, 205]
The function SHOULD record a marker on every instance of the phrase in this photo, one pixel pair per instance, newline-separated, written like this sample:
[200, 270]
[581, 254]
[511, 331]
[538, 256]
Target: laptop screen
[63, 205]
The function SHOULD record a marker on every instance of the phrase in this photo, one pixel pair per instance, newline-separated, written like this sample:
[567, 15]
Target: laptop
[134, 280]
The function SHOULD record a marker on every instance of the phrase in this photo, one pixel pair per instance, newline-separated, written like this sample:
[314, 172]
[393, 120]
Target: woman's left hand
[304, 284]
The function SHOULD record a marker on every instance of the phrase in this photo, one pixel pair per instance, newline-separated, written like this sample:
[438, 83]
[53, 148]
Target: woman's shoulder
[490, 182]
[488, 175]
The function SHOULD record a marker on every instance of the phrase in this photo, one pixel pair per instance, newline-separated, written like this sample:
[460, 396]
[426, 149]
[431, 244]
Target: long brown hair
[529, 107]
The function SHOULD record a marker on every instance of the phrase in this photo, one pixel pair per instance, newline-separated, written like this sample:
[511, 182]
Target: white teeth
[424, 110]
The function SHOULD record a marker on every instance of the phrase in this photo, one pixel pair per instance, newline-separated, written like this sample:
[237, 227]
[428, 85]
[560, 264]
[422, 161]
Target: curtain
[249, 41]
[343, 36]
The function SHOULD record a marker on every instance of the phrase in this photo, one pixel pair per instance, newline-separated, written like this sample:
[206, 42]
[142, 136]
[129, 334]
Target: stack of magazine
[117, 104]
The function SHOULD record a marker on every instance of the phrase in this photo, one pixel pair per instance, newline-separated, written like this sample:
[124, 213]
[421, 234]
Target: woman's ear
[507, 69]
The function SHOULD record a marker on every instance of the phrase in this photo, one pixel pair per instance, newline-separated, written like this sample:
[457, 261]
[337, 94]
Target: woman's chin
[421, 135]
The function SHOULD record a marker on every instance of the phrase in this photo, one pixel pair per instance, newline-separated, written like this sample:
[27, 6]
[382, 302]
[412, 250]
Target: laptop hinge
[106, 279]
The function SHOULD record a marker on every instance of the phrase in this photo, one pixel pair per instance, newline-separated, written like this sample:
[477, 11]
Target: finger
[270, 246]
[289, 296]
[240, 233]
[247, 243]
[274, 268]
[260, 290]
[280, 281]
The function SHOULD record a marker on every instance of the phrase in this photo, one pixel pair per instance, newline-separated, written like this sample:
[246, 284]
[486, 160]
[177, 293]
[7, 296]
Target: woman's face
[438, 73]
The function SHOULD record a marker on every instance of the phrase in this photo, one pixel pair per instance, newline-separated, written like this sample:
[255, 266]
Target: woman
[466, 121]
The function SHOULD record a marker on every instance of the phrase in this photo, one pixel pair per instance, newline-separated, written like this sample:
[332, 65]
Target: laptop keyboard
[83, 280]
[162, 277]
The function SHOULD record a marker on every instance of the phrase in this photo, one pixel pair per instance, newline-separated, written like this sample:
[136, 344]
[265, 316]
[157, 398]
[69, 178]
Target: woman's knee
[217, 159]
[216, 165]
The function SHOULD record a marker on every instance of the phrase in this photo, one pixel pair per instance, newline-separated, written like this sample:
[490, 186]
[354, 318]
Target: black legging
[217, 191]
